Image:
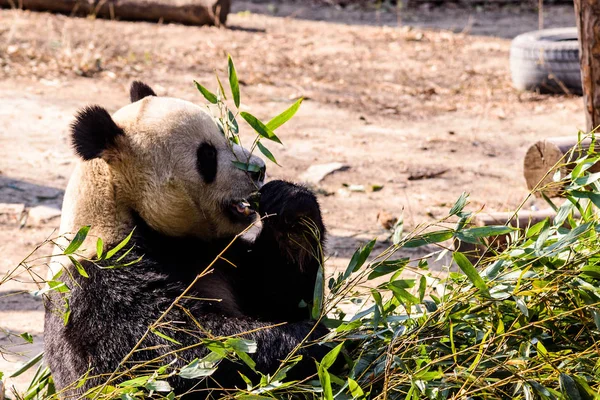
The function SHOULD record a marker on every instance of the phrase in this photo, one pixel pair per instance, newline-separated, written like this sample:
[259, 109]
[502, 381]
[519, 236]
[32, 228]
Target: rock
[386, 220]
[42, 214]
[11, 213]
[316, 173]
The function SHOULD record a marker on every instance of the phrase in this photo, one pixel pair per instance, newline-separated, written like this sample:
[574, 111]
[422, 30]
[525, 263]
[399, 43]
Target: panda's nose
[259, 176]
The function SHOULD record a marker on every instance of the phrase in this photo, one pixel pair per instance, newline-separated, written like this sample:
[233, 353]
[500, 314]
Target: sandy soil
[432, 97]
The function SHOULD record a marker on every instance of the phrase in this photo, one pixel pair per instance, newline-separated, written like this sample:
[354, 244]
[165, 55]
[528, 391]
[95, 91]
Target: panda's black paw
[288, 206]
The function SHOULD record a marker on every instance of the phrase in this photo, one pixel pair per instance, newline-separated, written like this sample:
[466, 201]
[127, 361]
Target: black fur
[206, 161]
[139, 90]
[93, 132]
[112, 308]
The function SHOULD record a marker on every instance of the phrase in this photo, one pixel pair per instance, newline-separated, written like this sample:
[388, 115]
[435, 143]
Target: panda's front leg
[288, 251]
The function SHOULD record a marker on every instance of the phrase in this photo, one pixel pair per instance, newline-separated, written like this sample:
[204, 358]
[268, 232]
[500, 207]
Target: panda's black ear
[139, 90]
[93, 132]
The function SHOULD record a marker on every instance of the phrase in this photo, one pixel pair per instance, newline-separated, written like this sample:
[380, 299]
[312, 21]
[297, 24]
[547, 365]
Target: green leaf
[79, 267]
[77, 240]
[195, 370]
[284, 116]
[118, 247]
[330, 357]
[233, 122]
[387, 267]
[158, 386]
[233, 81]
[27, 337]
[568, 387]
[325, 380]
[27, 365]
[266, 152]
[259, 127]
[208, 95]
[358, 258]
[429, 238]
[221, 90]
[246, 359]
[318, 294]
[99, 248]
[591, 271]
[403, 295]
[67, 312]
[460, 204]
[522, 306]
[246, 167]
[472, 234]
[422, 288]
[355, 389]
[162, 335]
[465, 265]
[245, 345]
[135, 382]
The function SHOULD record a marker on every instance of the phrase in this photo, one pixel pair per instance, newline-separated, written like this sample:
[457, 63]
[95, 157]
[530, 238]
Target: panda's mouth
[243, 207]
[241, 210]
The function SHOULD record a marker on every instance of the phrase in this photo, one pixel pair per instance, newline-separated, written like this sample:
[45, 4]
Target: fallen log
[540, 159]
[189, 12]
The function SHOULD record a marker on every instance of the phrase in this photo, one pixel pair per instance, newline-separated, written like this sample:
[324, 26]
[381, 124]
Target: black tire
[546, 61]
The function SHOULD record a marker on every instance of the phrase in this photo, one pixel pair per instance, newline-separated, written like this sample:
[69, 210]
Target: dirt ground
[425, 110]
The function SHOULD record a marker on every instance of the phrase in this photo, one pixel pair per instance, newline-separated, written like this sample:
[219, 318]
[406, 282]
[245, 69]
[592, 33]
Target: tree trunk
[541, 158]
[190, 12]
[587, 13]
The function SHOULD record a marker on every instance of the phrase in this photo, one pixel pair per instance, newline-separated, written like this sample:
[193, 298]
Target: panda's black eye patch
[207, 162]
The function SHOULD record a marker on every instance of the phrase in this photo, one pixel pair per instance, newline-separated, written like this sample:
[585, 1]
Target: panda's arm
[285, 257]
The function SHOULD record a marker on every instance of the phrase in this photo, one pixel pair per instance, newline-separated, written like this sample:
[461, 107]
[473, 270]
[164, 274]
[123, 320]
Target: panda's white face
[172, 165]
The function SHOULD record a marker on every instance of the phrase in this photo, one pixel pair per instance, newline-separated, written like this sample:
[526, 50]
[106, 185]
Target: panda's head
[168, 162]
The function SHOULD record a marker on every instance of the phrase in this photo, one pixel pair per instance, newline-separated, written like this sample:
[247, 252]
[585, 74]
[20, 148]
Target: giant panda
[162, 167]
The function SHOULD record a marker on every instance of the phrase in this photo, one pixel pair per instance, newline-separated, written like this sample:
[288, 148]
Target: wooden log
[492, 244]
[540, 159]
[587, 14]
[190, 12]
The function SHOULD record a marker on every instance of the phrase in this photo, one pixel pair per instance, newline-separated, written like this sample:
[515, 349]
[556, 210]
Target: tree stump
[189, 12]
[541, 158]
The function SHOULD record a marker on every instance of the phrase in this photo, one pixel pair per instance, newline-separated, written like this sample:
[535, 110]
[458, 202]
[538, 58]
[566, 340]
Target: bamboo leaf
[99, 248]
[465, 265]
[284, 116]
[23, 368]
[77, 240]
[246, 167]
[233, 81]
[359, 258]
[266, 152]
[79, 267]
[118, 247]
[318, 294]
[208, 95]
[162, 335]
[460, 204]
[259, 127]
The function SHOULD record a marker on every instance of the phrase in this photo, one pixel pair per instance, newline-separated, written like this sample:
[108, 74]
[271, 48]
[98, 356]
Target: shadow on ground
[15, 300]
[505, 22]
[30, 194]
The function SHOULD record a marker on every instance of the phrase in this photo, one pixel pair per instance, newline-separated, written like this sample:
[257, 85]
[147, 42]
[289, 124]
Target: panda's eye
[207, 161]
